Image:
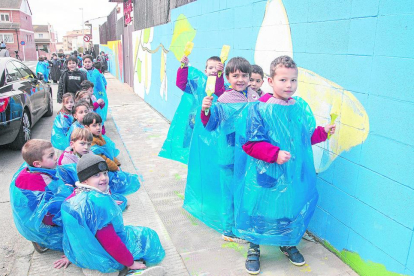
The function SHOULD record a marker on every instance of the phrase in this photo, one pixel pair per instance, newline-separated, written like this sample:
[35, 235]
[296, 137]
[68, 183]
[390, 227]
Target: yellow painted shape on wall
[162, 69]
[183, 33]
[326, 97]
[139, 71]
[136, 49]
[147, 34]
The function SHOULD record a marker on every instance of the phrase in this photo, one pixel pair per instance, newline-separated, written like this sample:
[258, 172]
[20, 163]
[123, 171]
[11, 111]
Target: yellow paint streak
[162, 69]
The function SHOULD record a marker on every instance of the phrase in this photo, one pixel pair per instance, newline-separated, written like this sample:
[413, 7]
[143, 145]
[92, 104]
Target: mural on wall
[115, 58]
[267, 34]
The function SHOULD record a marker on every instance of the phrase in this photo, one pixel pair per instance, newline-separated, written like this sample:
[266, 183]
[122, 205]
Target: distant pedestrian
[42, 67]
[3, 51]
[55, 72]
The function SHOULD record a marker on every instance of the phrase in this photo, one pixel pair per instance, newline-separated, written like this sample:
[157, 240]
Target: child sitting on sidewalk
[256, 79]
[63, 121]
[88, 86]
[120, 182]
[79, 111]
[95, 237]
[36, 194]
[193, 83]
[224, 116]
[80, 144]
[276, 197]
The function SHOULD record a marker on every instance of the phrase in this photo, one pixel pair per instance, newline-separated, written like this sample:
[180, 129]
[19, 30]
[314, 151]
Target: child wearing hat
[107, 244]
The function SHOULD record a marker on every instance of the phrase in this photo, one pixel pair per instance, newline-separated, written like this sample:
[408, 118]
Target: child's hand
[185, 61]
[118, 202]
[220, 67]
[207, 102]
[137, 265]
[100, 101]
[330, 128]
[63, 262]
[283, 157]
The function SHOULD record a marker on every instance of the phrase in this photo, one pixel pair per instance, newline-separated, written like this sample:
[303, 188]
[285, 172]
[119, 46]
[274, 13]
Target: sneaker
[151, 271]
[232, 238]
[39, 248]
[293, 254]
[253, 261]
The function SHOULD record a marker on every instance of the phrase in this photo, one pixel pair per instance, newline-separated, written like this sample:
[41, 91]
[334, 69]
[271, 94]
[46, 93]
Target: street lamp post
[83, 30]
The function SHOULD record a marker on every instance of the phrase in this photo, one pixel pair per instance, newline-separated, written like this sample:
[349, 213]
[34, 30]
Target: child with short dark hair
[71, 78]
[256, 79]
[63, 121]
[120, 182]
[36, 195]
[277, 195]
[95, 237]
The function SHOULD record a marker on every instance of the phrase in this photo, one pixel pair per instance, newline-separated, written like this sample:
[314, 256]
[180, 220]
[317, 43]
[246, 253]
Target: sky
[65, 15]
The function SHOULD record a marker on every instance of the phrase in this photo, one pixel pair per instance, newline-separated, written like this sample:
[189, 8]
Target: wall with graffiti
[115, 58]
[354, 62]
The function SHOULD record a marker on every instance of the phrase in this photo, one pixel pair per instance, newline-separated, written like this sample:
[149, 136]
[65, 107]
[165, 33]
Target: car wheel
[25, 132]
[50, 106]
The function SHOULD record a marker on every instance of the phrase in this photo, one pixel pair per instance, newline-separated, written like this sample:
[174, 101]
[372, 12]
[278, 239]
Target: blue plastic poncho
[177, 144]
[43, 67]
[89, 211]
[274, 203]
[32, 199]
[99, 90]
[120, 182]
[60, 129]
[74, 125]
[68, 174]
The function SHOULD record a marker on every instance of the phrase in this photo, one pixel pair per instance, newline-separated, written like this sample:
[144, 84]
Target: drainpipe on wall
[18, 42]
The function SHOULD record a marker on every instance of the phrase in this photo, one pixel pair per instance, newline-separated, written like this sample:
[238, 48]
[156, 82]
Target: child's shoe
[232, 238]
[150, 271]
[293, 254]
[253, 261]
[39, 248]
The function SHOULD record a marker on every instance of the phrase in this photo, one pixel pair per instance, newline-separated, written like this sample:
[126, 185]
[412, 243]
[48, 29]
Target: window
[40, 35]
[24, 70]
[7, 38]
[12, 73]
[4, 17]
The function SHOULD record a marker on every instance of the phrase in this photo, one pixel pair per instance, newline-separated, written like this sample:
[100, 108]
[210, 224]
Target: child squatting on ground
[91, 213]
[63, 121]
[277, 195]
[36, 195]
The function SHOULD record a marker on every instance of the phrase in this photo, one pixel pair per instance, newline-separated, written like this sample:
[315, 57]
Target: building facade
[45, 39]
[16, 28]
[73, 40]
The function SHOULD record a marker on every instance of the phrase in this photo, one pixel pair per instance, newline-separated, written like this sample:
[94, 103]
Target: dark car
[24, 99]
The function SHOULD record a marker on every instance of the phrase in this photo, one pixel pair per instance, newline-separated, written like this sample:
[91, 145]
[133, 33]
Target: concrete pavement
[191, 247]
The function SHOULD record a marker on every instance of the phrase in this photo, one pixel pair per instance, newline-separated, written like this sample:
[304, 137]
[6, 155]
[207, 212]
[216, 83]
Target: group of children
[250, 164]
[74, 202]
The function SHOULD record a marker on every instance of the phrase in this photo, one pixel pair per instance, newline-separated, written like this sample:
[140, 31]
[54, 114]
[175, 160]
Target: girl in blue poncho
[276, 197]
[63, 121]
[36, 195]
[43, 67]
[95, 236]
[99, 89]
[120, 182]
[79, 111]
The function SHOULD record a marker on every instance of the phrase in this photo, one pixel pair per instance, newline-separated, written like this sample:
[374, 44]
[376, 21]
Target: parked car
[24, 99]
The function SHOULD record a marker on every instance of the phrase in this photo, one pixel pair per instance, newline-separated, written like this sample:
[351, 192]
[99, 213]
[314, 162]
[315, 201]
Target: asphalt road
[13, 247]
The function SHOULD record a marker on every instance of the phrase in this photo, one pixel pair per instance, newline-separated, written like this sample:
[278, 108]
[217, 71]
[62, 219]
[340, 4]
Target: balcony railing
[9, 26]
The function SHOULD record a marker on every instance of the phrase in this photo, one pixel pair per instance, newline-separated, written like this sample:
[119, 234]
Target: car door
[33, 88]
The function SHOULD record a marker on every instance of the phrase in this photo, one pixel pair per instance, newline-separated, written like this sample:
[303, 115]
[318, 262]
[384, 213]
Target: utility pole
[83, 31]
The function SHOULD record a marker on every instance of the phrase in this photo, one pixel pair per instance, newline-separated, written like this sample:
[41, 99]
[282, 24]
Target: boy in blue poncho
[276, 197]
[120, 182]
[43, 67]
[95, 236]
[36, 195]
[80, 144]
[79, 111]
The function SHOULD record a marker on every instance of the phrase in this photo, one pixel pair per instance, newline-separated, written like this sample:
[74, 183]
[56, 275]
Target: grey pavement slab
[143, 132]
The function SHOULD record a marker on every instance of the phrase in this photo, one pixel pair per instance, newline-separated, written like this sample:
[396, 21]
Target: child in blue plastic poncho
[94, 234]
[43, 67]
[193, 83]
[36, 195]
[276, 197]
[99, 82]
[62, 123]
[120, 182]
[80, 144]
[256, 79]
[79, 111]
[223, 117]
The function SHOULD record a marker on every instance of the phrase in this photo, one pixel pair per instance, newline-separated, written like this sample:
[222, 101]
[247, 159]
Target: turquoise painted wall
[364, 47]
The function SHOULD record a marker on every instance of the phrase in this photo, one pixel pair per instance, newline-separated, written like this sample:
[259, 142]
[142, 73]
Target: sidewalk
[191, 247]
